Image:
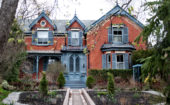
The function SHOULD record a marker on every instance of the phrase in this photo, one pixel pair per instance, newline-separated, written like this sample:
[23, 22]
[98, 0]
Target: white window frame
[113, 35]
[108, 64]
[73, 38]
[42, 40]
[120, 63]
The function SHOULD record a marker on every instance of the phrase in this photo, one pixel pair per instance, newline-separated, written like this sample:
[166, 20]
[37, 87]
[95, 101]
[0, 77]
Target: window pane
[117, 35]
[119, 32]
[109, 58]
[71, 64]
[75, 41]
[115, 32]
[117, 38]
[75, 34]
[119, 58]
[42, 34]
[77, 65]
[120, 65]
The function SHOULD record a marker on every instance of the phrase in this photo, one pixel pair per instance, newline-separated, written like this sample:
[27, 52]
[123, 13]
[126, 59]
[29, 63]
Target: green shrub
[61, 80]
[167, 94]
[3, 94]
[12, 75]
[138, 54]
[90, 82]
[110, 84]
[6, 86]
[100, 75]
[43, 87]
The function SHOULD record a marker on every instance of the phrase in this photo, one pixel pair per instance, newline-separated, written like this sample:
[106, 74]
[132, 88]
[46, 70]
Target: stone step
[75, 86]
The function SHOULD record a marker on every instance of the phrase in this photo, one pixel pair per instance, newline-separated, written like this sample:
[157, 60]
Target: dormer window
[42, 37]
[75, 38]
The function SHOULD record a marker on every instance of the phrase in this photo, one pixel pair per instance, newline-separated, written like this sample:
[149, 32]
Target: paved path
[12, 99]
[154, 93]
[76, 97]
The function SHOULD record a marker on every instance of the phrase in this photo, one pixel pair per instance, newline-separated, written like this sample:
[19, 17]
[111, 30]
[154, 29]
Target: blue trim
[39, 17]
[37, 66]
[75, 18]
[137, 65]
[116, 11]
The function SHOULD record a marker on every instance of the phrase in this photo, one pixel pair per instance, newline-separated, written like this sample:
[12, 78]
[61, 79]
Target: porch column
[37, 66]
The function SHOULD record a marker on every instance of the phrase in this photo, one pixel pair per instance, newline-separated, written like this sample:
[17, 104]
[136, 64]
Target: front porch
[40, 61]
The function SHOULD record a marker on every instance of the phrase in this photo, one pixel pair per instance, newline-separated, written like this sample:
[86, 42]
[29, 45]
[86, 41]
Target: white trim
[117, 25]
[108, 52]
[120, 52]
[75, 29]
[42, 29]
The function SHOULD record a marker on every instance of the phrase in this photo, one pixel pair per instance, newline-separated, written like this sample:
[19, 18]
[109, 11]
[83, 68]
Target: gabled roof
[60, 24]
[117, 10]
[39, 17]
[75, 18]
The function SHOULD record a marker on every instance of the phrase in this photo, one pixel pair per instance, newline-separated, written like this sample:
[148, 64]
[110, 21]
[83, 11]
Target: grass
[102, 93]
[3, 94]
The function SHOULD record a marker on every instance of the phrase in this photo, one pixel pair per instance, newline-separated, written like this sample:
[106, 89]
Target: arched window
[71, 64]
[77, 64]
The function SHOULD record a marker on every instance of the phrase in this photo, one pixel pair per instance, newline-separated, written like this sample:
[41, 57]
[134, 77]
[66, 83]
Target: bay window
[120, 61]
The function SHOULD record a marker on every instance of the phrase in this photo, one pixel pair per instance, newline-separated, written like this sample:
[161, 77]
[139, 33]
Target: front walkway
[76, 97]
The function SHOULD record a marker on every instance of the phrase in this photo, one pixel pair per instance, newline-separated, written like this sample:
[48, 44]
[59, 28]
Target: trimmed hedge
[101, 74]
[90, 82]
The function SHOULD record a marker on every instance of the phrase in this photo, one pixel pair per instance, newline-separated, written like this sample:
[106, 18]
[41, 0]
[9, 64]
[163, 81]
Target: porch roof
[113, 47]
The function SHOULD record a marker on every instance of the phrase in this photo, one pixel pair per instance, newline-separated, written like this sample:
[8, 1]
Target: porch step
[75, 84]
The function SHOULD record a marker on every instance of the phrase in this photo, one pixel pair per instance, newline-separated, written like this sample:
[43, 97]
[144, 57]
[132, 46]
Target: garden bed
[35, 98]
[125, 98]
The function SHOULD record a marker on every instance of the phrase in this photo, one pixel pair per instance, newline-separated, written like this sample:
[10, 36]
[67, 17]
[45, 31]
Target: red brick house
[81, 45]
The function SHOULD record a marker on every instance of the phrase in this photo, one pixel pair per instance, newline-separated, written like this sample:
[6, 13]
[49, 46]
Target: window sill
[42, 44]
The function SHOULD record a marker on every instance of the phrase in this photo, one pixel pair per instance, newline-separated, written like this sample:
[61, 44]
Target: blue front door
[74, 68]
[75, 64]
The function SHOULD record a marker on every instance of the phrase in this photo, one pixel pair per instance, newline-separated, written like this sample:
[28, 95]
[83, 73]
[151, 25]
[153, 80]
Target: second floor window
[75, 38]
[117, 35]
[42, 37]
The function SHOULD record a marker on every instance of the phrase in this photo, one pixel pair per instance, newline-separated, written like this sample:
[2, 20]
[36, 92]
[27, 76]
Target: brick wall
[98, 35]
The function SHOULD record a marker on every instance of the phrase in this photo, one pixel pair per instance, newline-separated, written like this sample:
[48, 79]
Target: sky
[93, 9]
[90, 9]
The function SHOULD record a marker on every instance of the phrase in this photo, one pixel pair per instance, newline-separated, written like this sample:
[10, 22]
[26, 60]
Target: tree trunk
[7, 15]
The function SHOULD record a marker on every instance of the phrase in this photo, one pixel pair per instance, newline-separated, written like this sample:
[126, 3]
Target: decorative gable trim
[117, 10]
[39, 17]
[75, 18]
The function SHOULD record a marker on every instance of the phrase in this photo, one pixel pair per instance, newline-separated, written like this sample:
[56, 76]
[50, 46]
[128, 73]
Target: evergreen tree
[43, 87]
[90, 82]
[159, 27]
[61, 80]
[110, 84]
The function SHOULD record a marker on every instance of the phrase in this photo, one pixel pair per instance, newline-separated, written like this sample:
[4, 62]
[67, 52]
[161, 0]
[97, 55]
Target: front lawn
[35, 98]
[125, 98]
[3, 94]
